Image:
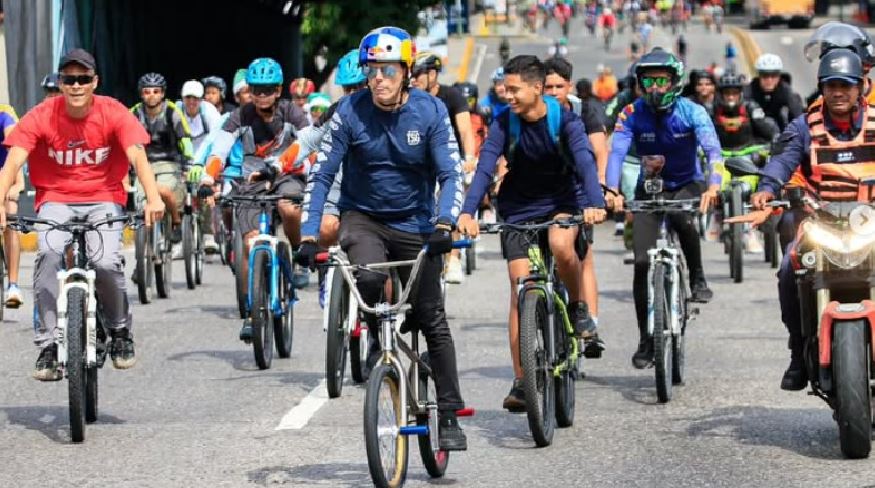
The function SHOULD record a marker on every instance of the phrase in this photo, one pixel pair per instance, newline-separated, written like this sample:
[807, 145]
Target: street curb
[749, 47]
[29, 240]
[462, 74]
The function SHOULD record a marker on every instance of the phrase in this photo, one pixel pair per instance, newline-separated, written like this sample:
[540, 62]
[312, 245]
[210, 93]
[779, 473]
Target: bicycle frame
[265, 241]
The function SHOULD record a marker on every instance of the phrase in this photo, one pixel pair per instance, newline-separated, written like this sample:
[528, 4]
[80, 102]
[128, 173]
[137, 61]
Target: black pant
[367, 241]
[645, 230]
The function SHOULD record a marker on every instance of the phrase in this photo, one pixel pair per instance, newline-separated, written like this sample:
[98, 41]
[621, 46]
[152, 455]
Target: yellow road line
[466, 59]
[749, 47]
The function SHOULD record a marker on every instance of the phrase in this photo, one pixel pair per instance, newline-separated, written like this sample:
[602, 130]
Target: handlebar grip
[463, 244]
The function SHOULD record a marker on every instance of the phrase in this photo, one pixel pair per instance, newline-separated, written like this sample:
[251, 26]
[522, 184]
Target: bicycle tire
[678, 352]
[435, 461]
[662, 347]
[538, 382]
[75, 367]
[358, 353]
[737, 230]
[284, 325]
[471, 259]
[4, 280]
[240, 277]
[188, 253]
[163, 267]
[565, 394]
[91, 381]
[383, 405]
[260, 314]
[143, 270]
[337, 341]
[853, 396]
[199, 253]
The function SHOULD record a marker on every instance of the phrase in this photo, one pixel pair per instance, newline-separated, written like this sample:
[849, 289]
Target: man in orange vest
[809, 149]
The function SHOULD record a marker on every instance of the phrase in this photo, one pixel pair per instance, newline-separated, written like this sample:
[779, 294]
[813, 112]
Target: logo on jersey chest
[647, 137]
[80, 156]
[413, 138]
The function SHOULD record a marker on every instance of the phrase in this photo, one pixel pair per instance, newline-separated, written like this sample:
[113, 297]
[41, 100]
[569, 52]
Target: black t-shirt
[456, 104]
[593, 114]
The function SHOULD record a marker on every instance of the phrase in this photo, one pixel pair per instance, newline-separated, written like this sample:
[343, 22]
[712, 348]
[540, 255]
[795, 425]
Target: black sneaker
[246, 331]
[701, 292]
[584, 325]
[643, 357]
[122, 349]
[593, 346]
[796, 377]
[515, 401]
[450, 434]
[101, 347]
[47, 364]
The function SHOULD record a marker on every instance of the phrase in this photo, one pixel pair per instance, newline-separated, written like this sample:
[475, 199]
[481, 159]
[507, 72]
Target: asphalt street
[196, 411]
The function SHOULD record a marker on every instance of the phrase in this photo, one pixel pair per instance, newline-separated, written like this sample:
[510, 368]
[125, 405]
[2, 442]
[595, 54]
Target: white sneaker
[752, 242]
[454, 273]
[210, 245]
[14, 299]
[177, 252]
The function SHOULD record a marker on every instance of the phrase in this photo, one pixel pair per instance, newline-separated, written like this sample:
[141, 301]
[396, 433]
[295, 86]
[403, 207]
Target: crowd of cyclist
[402, 161]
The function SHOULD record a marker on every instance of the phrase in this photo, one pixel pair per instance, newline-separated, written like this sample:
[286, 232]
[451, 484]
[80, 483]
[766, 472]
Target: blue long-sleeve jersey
[539, 180]
[795, 143]
[675, 134]
[392, 162]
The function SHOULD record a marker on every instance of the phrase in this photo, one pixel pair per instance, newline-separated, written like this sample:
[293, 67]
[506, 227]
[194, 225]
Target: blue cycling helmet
[349, 72]
[264, 71]
[498, 74]
[387, 45]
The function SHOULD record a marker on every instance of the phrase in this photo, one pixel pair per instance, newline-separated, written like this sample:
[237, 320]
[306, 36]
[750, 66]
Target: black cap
[78, 56]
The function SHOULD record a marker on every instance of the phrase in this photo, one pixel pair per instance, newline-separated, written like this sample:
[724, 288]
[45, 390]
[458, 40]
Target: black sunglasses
[263, 89]
[73, 79]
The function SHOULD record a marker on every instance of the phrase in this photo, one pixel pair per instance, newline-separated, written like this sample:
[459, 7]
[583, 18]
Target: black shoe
[451, 437]
[795, 378]
[593, 347]
[701, 292]
[515, 401]
[176, 234]
[246, 331]
[101, 347]
[122, 349]
[643, 357]
[584, 325]
[47, 364]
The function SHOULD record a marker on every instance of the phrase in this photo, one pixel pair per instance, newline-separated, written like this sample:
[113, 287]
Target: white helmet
[192, 88]
[607, 11]
[769, 62]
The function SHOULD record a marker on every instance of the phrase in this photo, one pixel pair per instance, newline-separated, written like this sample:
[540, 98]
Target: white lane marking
[481, 54]
[300, 415]
[787, 40]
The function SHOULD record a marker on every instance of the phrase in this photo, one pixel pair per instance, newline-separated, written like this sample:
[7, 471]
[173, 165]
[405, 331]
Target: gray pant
[104, 248]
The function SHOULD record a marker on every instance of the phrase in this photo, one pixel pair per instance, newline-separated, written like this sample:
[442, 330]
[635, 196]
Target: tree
[339, 26]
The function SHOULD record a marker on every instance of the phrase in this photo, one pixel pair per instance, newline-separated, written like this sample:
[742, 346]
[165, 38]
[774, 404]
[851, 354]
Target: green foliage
[340, 25]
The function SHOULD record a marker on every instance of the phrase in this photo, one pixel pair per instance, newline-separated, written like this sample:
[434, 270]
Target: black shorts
[247, 213]
[515, 243]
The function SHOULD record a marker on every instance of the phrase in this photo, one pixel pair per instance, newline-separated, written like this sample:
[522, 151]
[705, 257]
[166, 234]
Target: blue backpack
[554, 123]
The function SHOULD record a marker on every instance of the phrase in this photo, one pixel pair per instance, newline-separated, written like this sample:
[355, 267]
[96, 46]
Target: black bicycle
[192, 238]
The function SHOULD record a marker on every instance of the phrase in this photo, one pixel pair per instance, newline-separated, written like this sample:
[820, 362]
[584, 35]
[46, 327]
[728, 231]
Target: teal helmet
[661, 59]
[349, 72]
[264, 71]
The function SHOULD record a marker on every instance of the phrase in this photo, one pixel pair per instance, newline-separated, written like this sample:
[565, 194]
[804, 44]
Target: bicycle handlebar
[297, 199]
[686, 205]
[563, 223]
[29, 224]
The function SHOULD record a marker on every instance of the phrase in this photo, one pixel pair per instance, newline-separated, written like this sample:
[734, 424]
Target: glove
[306, 255]
[195, 173]
[440, 241]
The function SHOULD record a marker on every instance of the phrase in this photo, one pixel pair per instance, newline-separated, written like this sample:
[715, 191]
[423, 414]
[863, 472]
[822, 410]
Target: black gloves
[266, 172]
[440, 241]
[306, 255]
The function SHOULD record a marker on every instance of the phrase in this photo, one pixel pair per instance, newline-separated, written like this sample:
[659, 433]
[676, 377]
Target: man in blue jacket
[395, 145]
[663, 123]
[550, 175]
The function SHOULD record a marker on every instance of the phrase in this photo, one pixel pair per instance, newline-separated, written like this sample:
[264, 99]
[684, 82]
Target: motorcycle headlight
[843, 248]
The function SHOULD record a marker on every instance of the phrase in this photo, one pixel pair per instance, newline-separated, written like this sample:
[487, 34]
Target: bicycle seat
[741, 166]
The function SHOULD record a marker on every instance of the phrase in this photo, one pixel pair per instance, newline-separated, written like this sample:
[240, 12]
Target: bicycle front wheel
[199, 253]
[337, 340]
[538, 381]
[237, 258]
[662, 339]
[736, 233]
[164, 253]
[386, 447]
[260, 313]
[433, 457]
[188, 252]
[76, 299]
[143, 266]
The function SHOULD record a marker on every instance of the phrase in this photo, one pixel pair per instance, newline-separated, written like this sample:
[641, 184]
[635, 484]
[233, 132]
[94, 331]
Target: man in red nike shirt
[79, 147]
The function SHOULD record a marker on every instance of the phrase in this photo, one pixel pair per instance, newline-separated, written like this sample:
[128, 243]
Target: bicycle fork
[62, 330]
[668, 257]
